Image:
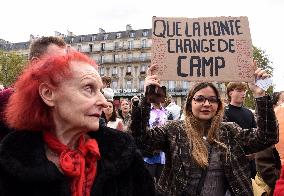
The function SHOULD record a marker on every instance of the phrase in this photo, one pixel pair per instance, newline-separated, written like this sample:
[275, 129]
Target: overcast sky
[20, 18]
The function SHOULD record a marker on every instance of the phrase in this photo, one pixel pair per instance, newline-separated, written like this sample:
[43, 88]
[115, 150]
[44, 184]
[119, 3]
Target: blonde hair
[194, 131]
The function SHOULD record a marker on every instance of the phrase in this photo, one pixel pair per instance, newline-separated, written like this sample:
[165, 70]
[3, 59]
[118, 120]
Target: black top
[25, 169]
[240, 115]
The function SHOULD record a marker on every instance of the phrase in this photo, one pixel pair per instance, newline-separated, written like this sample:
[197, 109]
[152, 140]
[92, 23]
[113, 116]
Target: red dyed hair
[26, 110]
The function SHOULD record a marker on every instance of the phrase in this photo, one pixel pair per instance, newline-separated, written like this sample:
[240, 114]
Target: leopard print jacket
[172, 139]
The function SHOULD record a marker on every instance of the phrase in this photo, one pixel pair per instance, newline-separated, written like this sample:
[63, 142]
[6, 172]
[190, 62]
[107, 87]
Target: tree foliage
[262, 61]
[11, 65]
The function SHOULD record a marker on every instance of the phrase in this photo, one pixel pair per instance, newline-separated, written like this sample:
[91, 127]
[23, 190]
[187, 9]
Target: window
[91, 47]
[129, 69]
[141, 85]
[130, 44]
[143, 69]
[82, 39]
[79, 48]
[131, 34]
[171, 85]
[72, 40]
[143, 45]
[93, 38]
[105, 36]
[128, 84]
[102, 71]
[103, 46]
[114, 71]
[114, 85]
[145, 33]
[185, 85]
[102, 59]
[143, 56]
[116, 45]
[116, 58]
[129, 58]
[118, 35]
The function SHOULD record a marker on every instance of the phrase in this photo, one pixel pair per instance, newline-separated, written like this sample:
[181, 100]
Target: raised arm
[266, 133]
[147, 139]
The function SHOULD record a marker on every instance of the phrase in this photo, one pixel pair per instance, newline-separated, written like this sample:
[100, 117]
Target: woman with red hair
[59, 148]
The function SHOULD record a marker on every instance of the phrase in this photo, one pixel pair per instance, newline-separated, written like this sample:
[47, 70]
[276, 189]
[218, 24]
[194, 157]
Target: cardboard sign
[202, 49]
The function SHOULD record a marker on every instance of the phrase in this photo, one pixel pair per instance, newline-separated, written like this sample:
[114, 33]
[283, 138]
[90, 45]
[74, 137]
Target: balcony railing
[112, 48]
[125, 60]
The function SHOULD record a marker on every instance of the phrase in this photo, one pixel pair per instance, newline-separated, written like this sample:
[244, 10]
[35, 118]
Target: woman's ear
[47, 94]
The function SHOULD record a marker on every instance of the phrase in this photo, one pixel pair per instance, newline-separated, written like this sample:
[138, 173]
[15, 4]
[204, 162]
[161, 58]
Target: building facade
[123, 55]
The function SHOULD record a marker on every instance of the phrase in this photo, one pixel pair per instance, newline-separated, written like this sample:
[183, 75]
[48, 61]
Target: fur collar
[22, 155]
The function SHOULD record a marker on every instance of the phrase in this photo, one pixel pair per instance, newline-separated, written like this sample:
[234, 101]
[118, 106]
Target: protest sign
[202, 49]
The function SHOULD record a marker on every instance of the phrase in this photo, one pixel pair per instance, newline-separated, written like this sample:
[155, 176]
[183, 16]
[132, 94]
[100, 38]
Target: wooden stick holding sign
[202, 49]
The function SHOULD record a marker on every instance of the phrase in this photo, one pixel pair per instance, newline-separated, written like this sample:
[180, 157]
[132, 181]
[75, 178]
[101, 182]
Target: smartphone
[156, 94]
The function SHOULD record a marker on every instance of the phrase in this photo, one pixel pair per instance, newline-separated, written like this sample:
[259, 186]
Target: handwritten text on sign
[202, 49]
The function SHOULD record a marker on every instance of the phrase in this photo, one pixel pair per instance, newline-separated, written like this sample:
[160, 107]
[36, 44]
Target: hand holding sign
[256, 88]
[264, 84]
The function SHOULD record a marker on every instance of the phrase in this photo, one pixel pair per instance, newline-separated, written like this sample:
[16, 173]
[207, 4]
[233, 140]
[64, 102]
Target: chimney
[101, 30]
[128, 27]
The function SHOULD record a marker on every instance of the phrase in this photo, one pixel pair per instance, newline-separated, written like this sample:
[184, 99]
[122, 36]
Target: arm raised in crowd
[266, 133]
[147, 139]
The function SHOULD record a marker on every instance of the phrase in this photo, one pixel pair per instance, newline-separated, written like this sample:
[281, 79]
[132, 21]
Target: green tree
[11, 65]
[262, 61]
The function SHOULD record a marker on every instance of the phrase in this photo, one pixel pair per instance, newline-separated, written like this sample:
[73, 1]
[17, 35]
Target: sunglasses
[202, 99]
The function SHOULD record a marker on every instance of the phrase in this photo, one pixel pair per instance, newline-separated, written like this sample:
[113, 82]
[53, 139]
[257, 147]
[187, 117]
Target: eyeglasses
[202, 99]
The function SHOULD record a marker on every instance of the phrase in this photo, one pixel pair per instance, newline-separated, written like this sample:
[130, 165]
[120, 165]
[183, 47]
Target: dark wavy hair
[113, 114]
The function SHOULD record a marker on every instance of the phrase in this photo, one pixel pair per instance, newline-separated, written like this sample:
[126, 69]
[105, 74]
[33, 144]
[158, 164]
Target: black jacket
[26, 171]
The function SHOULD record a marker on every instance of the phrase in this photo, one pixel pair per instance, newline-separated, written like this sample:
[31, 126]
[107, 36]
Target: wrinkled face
[125, 106]
[109, 109]
[204, 104]
[78, 101]
[237, 96]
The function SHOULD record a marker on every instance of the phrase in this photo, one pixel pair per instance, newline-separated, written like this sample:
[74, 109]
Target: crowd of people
[62, 134]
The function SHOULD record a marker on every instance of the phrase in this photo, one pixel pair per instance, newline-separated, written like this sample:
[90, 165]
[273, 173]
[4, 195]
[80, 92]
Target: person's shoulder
[112, 137]
[18, 138]
[228, 125]
[173, 126]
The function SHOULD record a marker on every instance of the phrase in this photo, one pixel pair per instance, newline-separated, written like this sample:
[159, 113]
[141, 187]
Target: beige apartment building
[123, 55]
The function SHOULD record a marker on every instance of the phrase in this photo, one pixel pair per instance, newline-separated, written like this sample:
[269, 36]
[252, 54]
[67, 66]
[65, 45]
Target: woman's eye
[88, 88]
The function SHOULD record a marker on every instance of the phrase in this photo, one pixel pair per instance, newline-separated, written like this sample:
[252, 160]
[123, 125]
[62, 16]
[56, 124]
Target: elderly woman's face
[204, 104]
[78, 101]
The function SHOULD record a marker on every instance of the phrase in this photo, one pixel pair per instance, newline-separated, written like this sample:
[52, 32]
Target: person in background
[278, 98]
[156, 162]
[109, 113]
[39, 48]
[134, 101]
[268, 163]
[173, 110]
[108, 92]
[59, 148]
[279, 112]
[236, 112]
[124, 113]
[204, 155]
